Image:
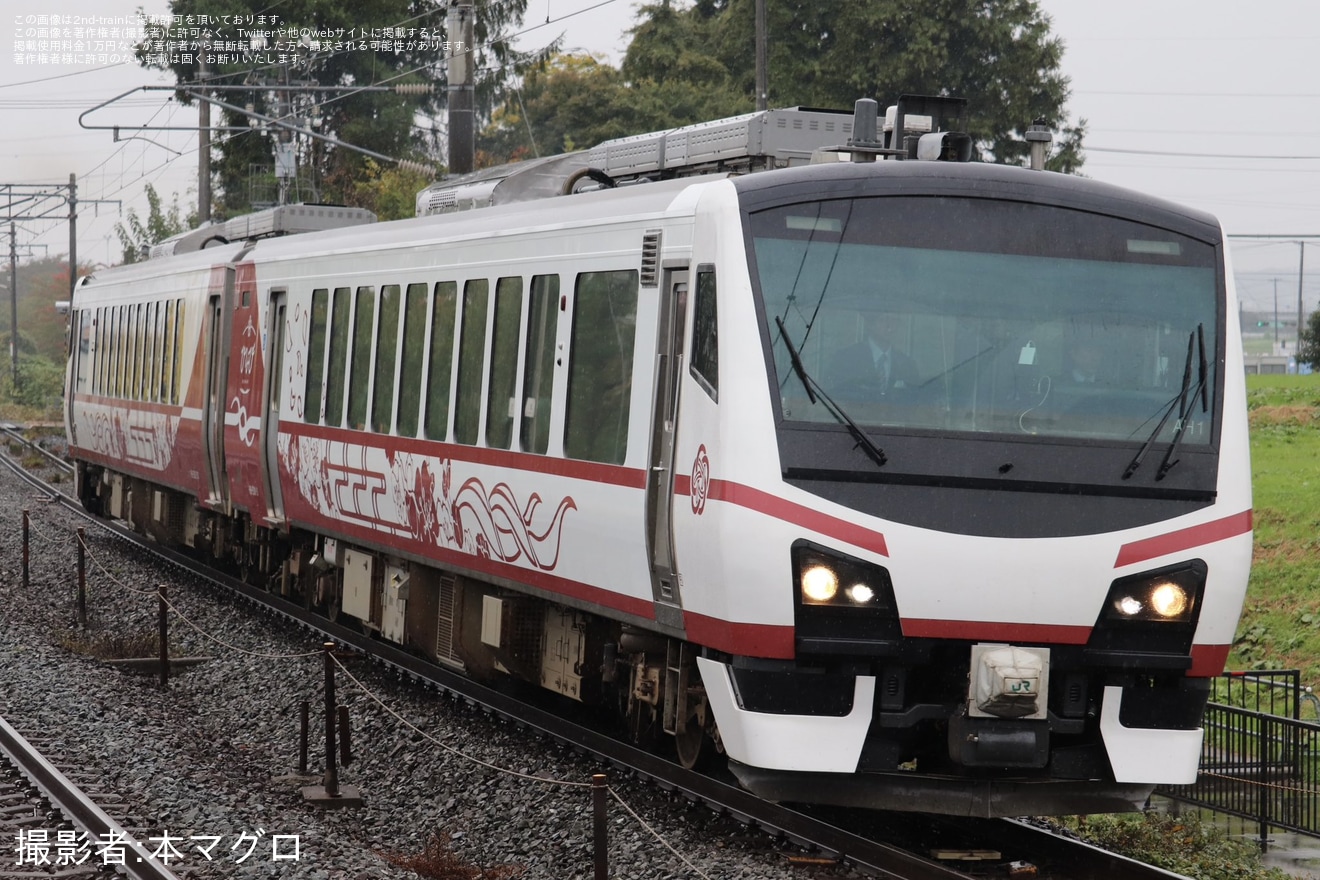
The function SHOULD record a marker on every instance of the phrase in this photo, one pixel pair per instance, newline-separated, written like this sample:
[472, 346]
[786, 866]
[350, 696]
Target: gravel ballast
[215, 754]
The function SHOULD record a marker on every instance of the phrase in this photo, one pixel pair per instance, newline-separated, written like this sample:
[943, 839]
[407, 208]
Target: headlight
[1170, 600]
[824, 578]
[1158, 597]
[861, 594]
[819, 584]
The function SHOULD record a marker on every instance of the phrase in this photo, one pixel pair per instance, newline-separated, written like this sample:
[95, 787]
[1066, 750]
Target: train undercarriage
[648, 682]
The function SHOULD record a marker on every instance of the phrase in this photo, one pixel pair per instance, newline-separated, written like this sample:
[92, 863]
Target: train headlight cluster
[1154, 612]
[1166, 597]
[827, 579]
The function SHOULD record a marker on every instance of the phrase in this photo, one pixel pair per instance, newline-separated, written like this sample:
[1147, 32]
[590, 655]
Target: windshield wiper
[1180, 401]
[1184, 410]
[816, 394]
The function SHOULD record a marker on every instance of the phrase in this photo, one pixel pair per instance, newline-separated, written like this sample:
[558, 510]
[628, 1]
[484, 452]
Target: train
[897, 480]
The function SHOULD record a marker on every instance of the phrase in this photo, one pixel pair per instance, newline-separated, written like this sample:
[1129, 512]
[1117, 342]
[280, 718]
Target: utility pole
[762, 60]
[459, 31]
[1301, 276]
[1276, 315]
[286, 160]
[203, 141]
[73, 234]
[13, 301]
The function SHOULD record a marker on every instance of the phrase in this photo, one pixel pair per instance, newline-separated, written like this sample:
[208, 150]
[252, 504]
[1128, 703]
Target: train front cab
[1011, 587]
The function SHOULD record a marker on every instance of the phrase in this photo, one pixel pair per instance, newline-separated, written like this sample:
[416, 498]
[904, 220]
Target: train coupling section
[1007, 719]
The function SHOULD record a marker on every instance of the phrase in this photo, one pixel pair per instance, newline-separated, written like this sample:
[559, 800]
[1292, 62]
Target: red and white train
[912, 484]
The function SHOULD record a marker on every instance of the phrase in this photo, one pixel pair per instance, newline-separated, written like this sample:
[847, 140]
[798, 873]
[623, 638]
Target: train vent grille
[651, 259]
[444, 623]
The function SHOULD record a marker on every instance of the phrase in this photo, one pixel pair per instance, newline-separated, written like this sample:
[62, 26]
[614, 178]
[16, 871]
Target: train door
[660, 475]
[213, 408]
[276, 343]
[82, 353]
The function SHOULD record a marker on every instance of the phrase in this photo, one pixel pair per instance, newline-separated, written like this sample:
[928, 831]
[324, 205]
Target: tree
[689, 64]
[574, 102]
[1308, 350]
[320, 45]
[138, 237]
[388, 192]
[41, 334]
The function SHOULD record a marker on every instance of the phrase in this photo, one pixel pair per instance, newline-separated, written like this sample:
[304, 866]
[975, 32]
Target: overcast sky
[1211, 103]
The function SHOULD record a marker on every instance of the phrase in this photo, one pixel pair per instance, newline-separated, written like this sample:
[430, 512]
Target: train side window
[126, 360]
[121, 351]
[316, 355]
[167, 353]
[539, 363]
[387, 352]
[114, 351]
[177, 364]
[414, 348]
[440, 364]
[501, 397]
[705, 364]
[117, 347]
[84, 347]
[151, 374]
[142, 369]
[98, 373]
[157, 351]
[135, 375]
[340, 318]
[158, 347]
[360, 369]
[471, 361]
[600, 366]
[146, 315]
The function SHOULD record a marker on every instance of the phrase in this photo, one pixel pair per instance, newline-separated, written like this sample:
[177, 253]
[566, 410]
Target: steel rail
[11, 431]
[79, 808]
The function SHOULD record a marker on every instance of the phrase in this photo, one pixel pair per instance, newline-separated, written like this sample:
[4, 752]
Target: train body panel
[244, 387]
[610, 444]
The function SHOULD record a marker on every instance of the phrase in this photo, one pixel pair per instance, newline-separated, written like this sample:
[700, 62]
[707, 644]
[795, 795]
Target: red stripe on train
[789, 512]
[1184, 539]
[608, 474]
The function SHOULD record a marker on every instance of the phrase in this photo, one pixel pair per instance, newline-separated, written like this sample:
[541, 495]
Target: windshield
[973, 315]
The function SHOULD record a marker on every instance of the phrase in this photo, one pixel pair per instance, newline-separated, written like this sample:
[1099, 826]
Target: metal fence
[1259, 760]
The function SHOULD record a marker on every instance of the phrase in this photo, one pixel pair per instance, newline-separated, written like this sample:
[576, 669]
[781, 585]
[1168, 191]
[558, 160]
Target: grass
[1280, 626]
[112, 647]
[438, 861]
[21, 414]
[1185, 846]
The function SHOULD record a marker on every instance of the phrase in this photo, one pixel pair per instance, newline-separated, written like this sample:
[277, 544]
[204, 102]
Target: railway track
[1020, 849]
[97, 845]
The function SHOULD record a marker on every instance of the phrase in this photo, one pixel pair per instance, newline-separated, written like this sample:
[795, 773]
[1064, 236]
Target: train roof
[585, 209]
[199, 261]
[971, 179]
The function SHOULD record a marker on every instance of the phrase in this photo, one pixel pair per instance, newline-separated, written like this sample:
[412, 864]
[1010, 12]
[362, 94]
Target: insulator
[416, 167]
[413, 89]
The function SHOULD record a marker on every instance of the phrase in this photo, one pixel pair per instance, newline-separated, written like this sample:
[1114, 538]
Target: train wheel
[692, 745]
